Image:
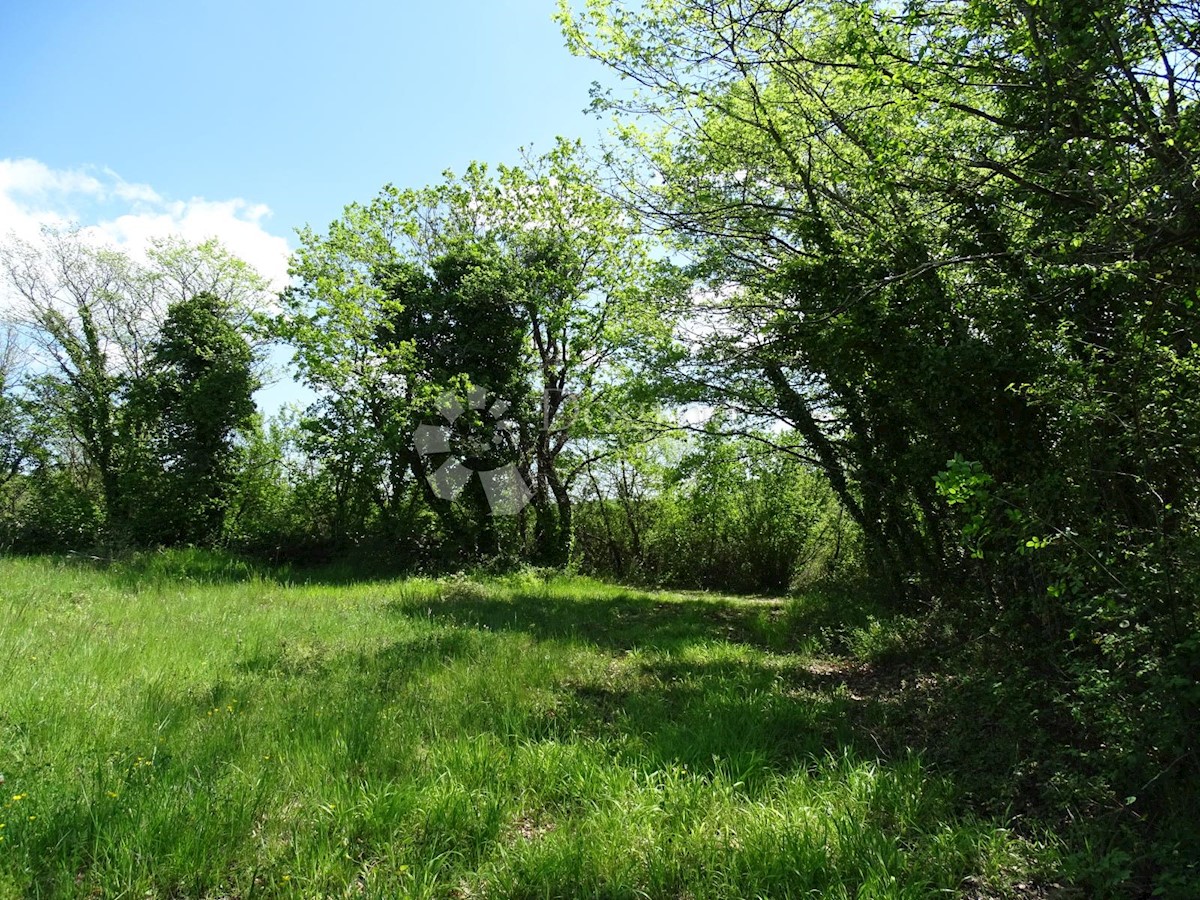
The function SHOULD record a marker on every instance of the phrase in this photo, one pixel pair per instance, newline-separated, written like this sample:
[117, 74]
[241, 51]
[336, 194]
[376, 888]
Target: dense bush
[49, 510]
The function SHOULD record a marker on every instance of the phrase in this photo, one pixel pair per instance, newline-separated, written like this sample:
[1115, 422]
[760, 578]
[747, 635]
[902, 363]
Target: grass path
[183, 733]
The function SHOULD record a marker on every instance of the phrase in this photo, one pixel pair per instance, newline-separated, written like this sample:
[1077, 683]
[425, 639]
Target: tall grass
[190, 729]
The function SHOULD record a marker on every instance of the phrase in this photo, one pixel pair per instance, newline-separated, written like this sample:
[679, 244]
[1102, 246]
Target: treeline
[126, 390]
[481, 352]
[906, 286]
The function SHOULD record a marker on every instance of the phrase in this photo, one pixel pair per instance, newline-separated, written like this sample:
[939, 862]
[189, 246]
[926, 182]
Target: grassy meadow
[182, 726]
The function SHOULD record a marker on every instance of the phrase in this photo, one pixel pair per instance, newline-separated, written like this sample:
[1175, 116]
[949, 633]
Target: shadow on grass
[621, 622]
[672, 701]
[397, 661]
[182, 565]
[686, 701]
[189, 565]
[131, 570]
[741, 718]
[369, 717]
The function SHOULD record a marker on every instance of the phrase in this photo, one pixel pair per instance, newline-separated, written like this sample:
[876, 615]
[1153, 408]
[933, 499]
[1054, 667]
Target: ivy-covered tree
[190, 408]
[92, 316]
[531, 283]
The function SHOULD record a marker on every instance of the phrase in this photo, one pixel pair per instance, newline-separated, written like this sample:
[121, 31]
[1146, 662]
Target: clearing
[210, 732]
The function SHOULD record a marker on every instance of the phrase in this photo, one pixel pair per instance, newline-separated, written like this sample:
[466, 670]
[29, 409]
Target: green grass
[183, 728]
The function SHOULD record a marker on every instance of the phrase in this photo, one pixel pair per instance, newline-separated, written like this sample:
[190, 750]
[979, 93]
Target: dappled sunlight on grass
[523, 736]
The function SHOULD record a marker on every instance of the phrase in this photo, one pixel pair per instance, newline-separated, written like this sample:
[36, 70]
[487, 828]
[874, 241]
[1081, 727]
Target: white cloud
[130, 215]
[30, 178]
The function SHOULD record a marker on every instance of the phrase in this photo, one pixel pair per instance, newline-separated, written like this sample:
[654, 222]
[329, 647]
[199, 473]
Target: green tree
[886, 205]
[192, 405]
[960, 231]
[88, 320]
[20, 440]
[91, 316]
[531, 283]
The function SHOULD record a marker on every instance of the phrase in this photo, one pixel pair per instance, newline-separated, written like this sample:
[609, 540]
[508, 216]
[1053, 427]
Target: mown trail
[185, 733]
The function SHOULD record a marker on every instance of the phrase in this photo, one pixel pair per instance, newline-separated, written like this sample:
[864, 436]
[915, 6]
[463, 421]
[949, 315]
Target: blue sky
[249, 119]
